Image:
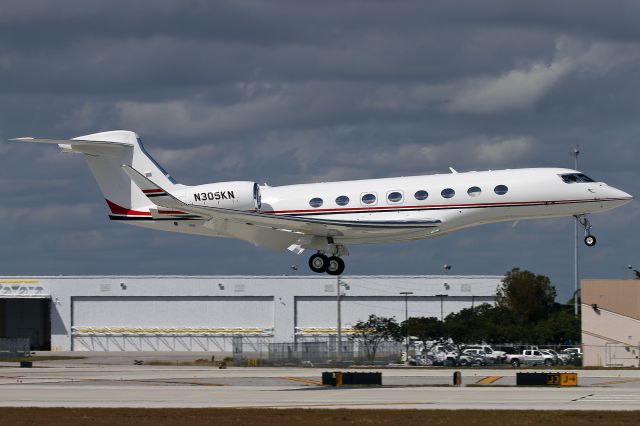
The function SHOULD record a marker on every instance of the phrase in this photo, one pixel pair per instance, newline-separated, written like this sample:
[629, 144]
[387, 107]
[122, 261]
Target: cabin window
[501, 189]
[575, 178]
[315, 202]
[421, 195]
[448, 193]
[474, 191]
[394, 197]
[369, 198]
[342, 200]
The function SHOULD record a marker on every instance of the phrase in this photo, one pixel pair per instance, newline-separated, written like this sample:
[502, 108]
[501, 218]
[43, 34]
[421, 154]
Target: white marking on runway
[610, 398]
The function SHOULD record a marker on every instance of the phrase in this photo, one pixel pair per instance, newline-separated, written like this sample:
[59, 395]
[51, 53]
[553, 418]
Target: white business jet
[327, 217]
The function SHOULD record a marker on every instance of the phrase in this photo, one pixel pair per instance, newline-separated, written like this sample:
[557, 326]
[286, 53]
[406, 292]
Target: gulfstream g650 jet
[328, 217]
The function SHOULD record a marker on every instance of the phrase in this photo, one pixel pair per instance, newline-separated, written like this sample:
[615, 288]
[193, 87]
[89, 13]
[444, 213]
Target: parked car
[571, 356]
[486, 350]
[569, 351]
[444, 355]
[529, 357]
[552, 355]
[473, 357]
[420, 360]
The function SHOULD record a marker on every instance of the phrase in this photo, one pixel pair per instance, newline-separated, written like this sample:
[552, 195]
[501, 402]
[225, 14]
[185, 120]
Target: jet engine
[237, 195]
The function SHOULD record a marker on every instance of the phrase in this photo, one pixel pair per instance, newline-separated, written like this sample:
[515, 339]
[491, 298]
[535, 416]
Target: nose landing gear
[589, 239]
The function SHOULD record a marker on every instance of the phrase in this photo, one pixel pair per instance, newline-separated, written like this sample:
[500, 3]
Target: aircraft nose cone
[621, 195]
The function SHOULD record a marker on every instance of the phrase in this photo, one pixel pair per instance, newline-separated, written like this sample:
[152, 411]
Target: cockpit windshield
[575, 178]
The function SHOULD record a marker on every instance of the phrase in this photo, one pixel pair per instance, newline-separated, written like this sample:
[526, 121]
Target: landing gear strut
[589, 239]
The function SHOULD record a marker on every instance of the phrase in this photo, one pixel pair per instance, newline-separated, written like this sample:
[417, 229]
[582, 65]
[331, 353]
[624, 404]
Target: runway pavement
[84, 385]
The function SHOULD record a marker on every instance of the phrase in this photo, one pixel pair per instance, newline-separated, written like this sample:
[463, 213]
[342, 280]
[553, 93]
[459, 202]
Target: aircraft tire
[590, 240]
[335, 266]
[318, 263]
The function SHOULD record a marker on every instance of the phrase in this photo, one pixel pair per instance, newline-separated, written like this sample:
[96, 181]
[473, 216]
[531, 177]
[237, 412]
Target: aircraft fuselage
[328, 216]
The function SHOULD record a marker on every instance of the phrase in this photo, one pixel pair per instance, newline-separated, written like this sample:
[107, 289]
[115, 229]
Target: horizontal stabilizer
[74, 142]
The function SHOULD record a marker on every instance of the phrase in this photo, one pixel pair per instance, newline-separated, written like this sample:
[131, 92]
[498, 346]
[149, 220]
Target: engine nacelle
[238, 195]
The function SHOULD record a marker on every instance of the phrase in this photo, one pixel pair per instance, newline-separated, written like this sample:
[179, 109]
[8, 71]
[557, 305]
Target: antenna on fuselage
[454, 171]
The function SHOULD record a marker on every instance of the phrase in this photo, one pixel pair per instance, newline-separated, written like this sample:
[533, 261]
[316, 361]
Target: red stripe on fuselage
[152, 191]
[117, 209]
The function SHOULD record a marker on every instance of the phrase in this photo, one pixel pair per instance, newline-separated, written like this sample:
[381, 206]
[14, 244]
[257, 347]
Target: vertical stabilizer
[105, 162]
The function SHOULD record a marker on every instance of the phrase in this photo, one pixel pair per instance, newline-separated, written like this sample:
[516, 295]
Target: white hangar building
[206, 313]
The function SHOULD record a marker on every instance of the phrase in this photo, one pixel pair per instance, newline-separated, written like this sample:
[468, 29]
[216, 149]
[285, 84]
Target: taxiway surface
[160, 386]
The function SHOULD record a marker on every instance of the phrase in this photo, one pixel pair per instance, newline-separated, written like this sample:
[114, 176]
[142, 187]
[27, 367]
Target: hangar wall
[210, 313]
[611, 323]
[320, 311]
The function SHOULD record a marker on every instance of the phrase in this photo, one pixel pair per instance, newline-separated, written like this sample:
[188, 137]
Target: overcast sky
[293, 91]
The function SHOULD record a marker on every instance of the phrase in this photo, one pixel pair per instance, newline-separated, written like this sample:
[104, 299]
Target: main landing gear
[332, 265]
[589, 239]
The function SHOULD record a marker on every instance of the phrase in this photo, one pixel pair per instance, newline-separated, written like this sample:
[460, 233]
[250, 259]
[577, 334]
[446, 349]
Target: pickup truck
[529, 357]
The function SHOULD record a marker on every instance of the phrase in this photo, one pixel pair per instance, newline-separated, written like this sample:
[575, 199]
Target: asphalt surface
[92, 384]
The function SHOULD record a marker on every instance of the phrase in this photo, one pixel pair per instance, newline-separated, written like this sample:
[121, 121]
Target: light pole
[339, 283]
[576, 152]
[442, 296]
[406, 318]
[447, 268]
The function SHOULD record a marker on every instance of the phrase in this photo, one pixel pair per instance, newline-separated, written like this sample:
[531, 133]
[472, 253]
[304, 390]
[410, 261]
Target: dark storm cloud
[296, 91]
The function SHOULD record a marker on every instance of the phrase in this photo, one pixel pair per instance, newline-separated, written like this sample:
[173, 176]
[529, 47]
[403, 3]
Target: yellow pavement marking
[299, 379]
[488, 380]
[616, 382]
[14, 281]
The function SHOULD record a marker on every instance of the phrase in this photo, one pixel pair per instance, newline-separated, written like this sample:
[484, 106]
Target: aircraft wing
[291, 224]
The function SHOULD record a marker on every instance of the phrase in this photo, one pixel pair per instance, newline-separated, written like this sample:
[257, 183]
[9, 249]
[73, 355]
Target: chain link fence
[317, 352]
[324, 351]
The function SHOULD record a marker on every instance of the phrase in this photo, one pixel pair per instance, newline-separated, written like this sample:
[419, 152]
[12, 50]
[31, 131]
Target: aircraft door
[257, 197]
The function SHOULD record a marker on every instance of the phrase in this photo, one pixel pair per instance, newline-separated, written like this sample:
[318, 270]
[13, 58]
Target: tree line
[525, 313]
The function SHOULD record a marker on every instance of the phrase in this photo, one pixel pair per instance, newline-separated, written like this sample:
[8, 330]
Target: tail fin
[105, 153]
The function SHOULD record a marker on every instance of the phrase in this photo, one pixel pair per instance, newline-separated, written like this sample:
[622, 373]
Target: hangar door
[26, 317]
[98, 322]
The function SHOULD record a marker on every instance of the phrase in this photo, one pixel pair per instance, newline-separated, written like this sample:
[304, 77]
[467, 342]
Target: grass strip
[308, 417]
